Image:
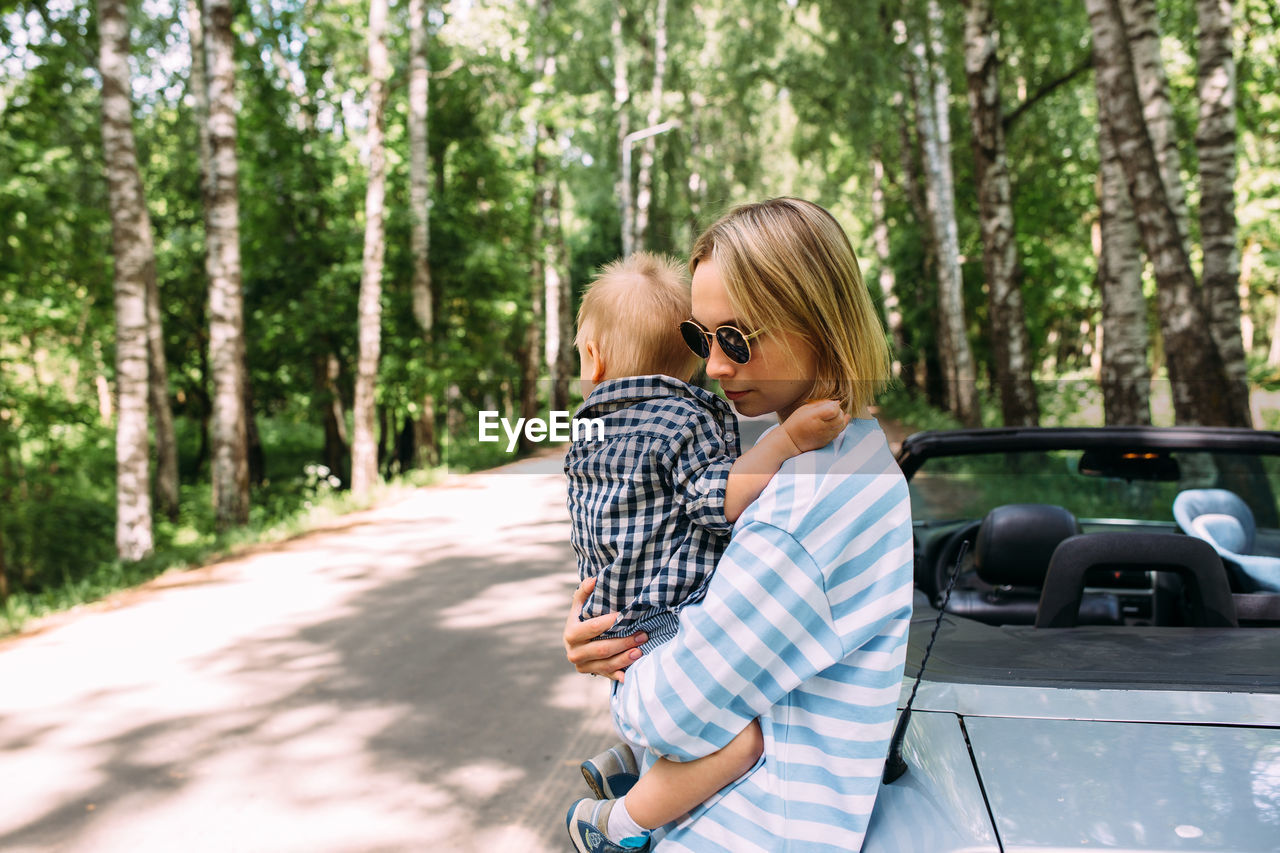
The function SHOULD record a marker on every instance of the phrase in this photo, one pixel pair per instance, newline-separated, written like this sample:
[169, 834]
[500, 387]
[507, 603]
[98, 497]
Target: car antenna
[894, 765]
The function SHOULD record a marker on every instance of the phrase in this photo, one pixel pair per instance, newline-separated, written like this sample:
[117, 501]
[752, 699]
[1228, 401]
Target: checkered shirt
[647, 499]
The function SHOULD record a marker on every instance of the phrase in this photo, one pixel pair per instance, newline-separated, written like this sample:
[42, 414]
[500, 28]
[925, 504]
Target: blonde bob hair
[788, 267]
[632, 312]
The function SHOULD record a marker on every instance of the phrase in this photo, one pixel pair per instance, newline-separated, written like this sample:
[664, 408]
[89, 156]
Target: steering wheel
[946, 561]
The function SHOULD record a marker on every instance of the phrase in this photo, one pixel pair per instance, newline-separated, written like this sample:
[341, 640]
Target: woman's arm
[763, 628]
[592, 656]
[768, 623]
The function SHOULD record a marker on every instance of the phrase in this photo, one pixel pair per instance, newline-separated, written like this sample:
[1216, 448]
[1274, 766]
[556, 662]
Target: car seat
[1221, 518]
[1012, 555]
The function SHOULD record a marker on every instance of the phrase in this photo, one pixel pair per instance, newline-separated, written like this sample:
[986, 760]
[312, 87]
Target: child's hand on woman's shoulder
[815, 424]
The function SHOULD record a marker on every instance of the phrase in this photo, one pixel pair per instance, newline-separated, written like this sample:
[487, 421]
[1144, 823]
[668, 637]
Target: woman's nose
[719, 365]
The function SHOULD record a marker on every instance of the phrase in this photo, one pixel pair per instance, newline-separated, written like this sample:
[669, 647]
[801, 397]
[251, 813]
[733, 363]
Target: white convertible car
[1106, 667]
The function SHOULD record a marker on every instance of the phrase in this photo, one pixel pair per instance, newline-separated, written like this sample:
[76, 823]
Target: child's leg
[671, 789]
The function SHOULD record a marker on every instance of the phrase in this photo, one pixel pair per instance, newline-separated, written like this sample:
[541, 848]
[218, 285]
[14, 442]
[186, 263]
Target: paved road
[396, 683]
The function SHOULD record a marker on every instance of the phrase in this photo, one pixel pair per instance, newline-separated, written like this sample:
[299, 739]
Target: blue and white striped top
[804, 626]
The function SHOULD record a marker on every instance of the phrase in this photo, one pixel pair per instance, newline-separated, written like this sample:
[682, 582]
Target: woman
[804, 623]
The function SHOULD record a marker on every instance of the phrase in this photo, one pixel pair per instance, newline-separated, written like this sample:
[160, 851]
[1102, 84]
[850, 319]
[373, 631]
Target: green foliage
[913, 412]
[772, 96]
[60, 542]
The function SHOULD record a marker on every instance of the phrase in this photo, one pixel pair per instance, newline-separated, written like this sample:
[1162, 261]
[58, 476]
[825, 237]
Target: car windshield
[949, 488]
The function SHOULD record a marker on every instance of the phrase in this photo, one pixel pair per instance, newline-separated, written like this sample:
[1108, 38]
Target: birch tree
[1216, 151]
[420, 212]
[364, 448]
[226, 300]
[559, 299]
[531, 353]
[1009, 341]
[1142, 29]
[166, 442]
[911, 155]
[134, 265]
[933, 95]
[644, 178]
[621, 109]
[1126, 389]
[1215, 137]
[884, 261]
[1199, 383]
[551, 268]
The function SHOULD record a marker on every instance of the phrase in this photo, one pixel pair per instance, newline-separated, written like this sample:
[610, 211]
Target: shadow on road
[397, 685]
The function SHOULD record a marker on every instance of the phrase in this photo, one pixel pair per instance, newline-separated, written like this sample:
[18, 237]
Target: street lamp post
[628, 214]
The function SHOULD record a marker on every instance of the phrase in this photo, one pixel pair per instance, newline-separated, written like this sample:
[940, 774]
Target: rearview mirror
[1130, 465]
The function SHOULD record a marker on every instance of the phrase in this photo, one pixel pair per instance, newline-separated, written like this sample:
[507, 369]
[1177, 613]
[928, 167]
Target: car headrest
[1192, 504]
[1016, 541]
[1224, 531]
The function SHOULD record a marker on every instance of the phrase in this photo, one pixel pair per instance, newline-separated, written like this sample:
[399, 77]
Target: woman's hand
[597, 657]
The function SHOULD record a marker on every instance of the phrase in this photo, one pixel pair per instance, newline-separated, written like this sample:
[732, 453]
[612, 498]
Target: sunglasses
[735, 343]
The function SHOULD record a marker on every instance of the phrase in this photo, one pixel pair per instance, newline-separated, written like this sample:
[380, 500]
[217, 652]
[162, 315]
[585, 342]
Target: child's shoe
[588, 824]
[611, 773]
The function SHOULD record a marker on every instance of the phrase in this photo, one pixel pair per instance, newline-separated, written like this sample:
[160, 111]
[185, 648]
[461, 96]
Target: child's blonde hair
[632, 312]
[787, 266]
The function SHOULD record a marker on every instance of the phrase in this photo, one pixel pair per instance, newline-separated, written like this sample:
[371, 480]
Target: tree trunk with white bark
[621, 108]
[1143, 30]
[1126, 378]
[1011, 346]
[166, 450]
[558, 299]
[1216, 150]
[426, 449]
[884, 262]
[644, 178]
[198, 85]
[364, 447]
[916, 359]
[1201, 392]
[933, 97]
[551, 266]
[134, 265]
[230, 463]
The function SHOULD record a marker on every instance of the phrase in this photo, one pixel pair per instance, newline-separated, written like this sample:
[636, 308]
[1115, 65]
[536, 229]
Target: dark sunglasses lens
[734, 344]
[695, 338]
